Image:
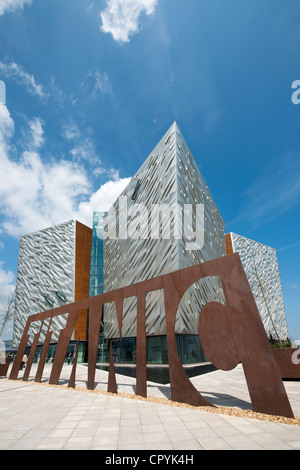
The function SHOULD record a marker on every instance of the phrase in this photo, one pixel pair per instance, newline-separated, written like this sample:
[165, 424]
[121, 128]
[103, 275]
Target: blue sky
[92, 86]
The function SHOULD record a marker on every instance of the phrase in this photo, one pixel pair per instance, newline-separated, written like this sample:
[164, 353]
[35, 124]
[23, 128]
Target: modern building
[147, 234]
[53, 269]
[163, 221]
[261, 267]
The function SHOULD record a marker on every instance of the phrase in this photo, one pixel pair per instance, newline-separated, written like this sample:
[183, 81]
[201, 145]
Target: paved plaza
[38, 416]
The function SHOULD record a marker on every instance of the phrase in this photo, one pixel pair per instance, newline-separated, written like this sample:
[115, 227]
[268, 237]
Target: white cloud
[7, 287]
[35, 194]
[121, 17]
[12, 5]
[36, 133]
[19, 75]
[6, 126]
[102, 199]
[7, 284]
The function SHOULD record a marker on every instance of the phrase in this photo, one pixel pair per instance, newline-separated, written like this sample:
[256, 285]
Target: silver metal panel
[261, 267]
[46, 266]
[168, 176]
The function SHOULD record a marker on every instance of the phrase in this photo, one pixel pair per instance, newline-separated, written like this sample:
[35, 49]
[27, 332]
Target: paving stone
[76, 443]
[214, 443]
[62, 418]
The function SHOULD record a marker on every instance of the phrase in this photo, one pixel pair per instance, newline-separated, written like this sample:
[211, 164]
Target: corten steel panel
[4, 368]
[112, 383]
[42, 361]
[63, 343]
[95, 315]
[31, 354]
[71, 383]
[230, 334]
[287, 360]
[141, 352]
[21, 351]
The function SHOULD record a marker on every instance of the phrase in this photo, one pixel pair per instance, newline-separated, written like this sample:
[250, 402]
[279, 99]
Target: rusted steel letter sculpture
[229, 334]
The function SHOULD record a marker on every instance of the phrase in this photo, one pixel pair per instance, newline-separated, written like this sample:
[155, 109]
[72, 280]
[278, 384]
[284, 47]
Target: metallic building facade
[45, 268]
[134, 251]
[261, 267]
[53, 270]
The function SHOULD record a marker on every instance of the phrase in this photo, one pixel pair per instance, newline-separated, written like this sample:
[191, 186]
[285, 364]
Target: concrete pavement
[38, 416]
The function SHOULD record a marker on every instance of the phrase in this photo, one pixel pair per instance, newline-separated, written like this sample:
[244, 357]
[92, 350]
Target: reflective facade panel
[261, 267]
[53, 270]
[46, 276]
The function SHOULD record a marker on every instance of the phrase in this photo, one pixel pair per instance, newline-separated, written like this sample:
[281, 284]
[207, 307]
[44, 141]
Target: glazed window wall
[82, 352]
[124, 352]
[96, 267]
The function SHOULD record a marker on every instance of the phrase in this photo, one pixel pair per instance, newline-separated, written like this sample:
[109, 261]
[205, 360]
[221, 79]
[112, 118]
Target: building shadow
[224, 399]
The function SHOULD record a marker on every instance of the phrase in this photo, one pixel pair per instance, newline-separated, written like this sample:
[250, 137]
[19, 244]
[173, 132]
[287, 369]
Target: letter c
[215, 334]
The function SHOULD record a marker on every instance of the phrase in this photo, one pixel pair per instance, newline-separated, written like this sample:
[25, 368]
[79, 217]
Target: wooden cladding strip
[228, 243]
[83, 246]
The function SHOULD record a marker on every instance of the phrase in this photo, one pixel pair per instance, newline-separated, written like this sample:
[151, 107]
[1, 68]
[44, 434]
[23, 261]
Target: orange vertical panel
[83, 246]
[228, 242]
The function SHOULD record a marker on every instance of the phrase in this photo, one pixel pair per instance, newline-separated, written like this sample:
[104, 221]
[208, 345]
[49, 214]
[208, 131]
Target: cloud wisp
[19, 75]
[7, 6]
[275, 191]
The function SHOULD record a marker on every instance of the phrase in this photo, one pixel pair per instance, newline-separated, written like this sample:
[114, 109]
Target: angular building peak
[168, 180]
